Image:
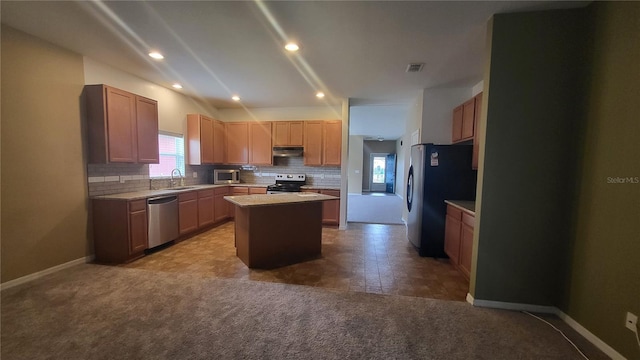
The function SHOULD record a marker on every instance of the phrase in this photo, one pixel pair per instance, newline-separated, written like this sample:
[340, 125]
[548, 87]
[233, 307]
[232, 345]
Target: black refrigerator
[436, 173]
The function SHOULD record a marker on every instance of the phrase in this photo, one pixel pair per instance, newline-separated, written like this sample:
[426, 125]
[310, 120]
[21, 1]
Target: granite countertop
[316, 187]
[144, 194]
[466, 206]
[267, 200]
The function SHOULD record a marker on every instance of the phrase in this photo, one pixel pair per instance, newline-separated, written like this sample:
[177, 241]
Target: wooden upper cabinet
[200, 143]
[313, 142]
[147, 130]
[332, 142]
[237, 143]
[260, 148]
[468, 112]
[456, 134]
[476, 136]
[123, 127]
[219, 142]
[288, 133]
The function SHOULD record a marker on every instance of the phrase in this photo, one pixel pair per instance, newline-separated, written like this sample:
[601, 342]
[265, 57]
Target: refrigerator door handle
[410, 189]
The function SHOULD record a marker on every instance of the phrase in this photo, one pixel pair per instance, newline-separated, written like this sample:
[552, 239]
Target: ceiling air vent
[415, 67]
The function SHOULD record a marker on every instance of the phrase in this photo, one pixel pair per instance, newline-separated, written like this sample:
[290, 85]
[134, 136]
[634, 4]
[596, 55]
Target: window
[171, 156]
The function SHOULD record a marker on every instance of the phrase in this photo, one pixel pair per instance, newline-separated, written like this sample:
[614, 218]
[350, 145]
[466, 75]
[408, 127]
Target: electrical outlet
[195, 174]
[631, 322]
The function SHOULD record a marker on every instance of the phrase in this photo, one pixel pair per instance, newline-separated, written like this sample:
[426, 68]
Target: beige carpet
[100, 312]
[374, 209]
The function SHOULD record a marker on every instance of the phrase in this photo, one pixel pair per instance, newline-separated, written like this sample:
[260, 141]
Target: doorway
[382, 174]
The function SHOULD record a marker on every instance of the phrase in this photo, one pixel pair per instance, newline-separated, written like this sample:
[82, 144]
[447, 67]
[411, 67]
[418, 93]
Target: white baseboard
[608, 350]
[39, 274]
[596, 341]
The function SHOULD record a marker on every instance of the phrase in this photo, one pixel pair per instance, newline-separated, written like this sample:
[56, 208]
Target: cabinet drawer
[221, 190]
[468, 219]
[137, 205]
[454, 212]
[191, 195]
[240, 191]
[205, 193]
[257, 190]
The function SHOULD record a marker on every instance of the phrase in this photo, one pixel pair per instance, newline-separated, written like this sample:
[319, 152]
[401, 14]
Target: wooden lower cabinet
[119, 230]
[458, 239]
[205, 208]
[188, 212]
[221, 206]
[257, 190]
[331, 208]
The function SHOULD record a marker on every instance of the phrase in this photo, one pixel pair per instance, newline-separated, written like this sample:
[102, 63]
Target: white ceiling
[350, 49]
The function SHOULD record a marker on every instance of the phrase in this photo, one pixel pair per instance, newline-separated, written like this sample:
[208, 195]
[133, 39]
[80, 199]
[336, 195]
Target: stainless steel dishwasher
[163, 220]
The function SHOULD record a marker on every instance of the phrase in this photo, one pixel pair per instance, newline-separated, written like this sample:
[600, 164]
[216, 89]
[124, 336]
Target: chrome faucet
[173, 182]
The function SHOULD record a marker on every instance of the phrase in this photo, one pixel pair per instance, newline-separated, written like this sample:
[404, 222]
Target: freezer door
[414, 195]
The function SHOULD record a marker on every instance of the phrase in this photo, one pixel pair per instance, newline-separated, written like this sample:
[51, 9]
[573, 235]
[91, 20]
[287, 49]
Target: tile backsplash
[106, 179]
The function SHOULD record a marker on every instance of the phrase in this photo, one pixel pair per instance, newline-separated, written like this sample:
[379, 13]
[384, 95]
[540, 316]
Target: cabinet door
[237, 143]
[205, 208]
[121, 128]
[452, 239]
[332, 143]
[147, 130]
[260, 147]
[137, 227]
[476, 134]
[457, 124]
[219, 142]
[313, 143]
[206, 140]
[468, 116]
[331, 208]
[188, 212]
[296, 133]
[466, 249]
[221, 208]
[281, 133]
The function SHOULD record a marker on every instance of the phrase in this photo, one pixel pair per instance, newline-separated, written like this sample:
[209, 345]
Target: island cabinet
[458, 242]
[119, 230]
[205, 140]
[288, 133]
[205, 208]
[476, 136]
[188, 212]
[221, 206]
[122, 127]
[330, 208]
[323, 143]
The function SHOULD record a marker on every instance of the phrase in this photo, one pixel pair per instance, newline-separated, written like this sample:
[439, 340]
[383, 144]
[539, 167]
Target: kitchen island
[278, 230]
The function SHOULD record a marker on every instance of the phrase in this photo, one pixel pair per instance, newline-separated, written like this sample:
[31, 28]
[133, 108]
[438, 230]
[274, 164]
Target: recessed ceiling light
[177, 86]
[156, 55]
[235, 98]
[292, 47]
[320, 94]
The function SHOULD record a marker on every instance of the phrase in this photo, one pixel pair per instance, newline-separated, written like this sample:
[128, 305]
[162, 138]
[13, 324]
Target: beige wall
[604, 280]
[437, 113]
[173, 106]
[44, 192]
[355, 164]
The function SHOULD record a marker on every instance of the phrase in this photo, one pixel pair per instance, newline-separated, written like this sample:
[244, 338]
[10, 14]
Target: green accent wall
[559, 208]
[533, 106]
[603, 279]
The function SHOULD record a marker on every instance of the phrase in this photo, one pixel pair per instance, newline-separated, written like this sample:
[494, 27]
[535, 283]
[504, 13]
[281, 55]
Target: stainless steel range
[287, 183]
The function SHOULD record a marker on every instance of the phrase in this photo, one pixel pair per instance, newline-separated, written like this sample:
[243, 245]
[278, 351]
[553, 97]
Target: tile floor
[365, 258]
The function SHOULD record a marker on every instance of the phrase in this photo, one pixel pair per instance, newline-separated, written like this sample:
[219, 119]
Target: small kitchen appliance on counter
[287, 183]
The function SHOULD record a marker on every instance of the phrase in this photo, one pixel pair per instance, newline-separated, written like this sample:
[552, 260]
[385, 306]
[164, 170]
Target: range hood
[287, 151]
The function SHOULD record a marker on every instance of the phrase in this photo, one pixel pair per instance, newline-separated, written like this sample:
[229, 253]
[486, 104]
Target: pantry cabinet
[323, 143]
[122, 127]
[119, 230]
[288, 133]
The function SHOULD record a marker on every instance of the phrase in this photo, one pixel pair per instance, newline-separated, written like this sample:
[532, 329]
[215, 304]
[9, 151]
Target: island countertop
[278, 199]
